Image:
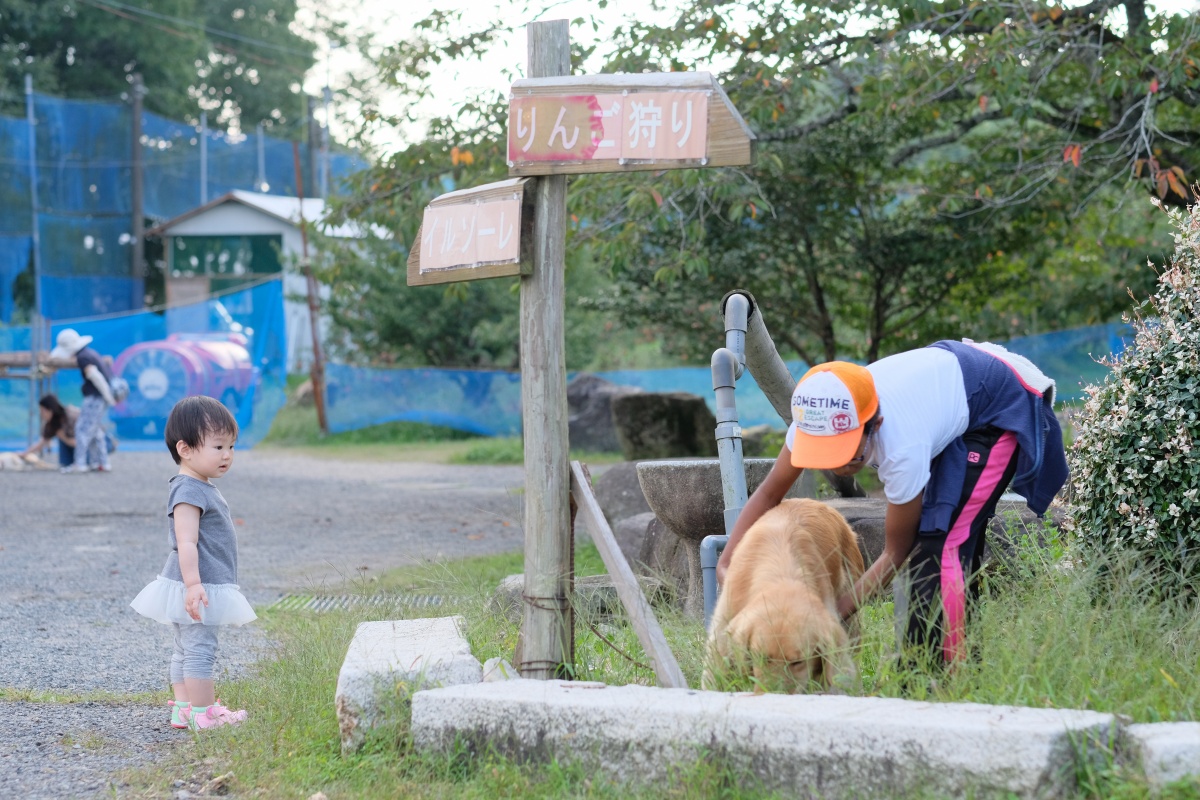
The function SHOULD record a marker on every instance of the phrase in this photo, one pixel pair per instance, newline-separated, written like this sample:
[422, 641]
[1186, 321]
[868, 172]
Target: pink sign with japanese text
[634, 126]
[470, 234]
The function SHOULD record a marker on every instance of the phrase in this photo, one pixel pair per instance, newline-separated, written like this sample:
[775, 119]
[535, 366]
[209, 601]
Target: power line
[193, 24]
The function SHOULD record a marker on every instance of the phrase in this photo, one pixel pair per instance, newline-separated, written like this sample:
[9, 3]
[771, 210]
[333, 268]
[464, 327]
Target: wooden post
[137, 263]
[546, 643]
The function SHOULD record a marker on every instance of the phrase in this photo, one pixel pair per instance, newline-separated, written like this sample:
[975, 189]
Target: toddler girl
[197, 590]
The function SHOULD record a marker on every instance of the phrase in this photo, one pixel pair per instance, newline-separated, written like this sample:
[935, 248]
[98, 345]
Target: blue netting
[14, 258]
[478, 401]
[16, 211]
[489, 403]
[229, 347]
[84, 172]
[1070, 356]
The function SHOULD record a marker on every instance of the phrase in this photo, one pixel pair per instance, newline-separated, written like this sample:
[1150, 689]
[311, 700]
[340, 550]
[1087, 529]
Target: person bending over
[948, 427]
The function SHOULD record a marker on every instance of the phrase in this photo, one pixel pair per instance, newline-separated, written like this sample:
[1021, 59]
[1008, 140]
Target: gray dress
[163, 599]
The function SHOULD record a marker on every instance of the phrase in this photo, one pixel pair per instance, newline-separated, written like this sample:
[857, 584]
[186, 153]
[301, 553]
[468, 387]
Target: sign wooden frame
[730, 142]
[519, 189]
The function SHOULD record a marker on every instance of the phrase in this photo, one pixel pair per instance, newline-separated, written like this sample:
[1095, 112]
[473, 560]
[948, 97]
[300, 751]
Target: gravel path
[75, 549]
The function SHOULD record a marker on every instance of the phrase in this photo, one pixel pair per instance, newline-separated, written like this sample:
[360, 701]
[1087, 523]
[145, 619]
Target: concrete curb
[389, 660]
[1165, 751]
[797, 745]
[826, 746]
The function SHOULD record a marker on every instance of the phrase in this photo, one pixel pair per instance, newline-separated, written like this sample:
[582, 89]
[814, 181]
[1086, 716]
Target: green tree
[912, 156]
[238, 59]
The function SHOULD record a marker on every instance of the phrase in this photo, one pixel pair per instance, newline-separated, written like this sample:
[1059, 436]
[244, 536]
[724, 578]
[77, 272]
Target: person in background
[90, 428]
[58, 422]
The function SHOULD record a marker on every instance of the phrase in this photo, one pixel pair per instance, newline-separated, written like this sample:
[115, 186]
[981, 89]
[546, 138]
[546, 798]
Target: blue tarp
[489, 402]
[228, 347]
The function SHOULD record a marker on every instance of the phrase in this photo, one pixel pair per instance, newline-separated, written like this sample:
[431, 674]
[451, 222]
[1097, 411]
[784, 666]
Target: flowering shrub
[1135, 464]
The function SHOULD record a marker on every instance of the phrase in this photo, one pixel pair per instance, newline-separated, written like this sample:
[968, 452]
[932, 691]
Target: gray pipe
[776, 381]
[762, 359]
[725, 367]
[710, 553]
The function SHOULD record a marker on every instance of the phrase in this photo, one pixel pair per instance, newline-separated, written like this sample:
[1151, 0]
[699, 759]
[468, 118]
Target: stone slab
[798, 746]
[1168, 751]
[390, 659]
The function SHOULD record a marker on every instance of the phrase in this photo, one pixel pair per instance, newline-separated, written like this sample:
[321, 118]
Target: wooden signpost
[559, 125]
[621, 123]
[485, 232]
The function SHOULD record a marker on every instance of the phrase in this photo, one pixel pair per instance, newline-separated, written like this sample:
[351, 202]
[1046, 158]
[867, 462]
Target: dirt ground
[75, 549]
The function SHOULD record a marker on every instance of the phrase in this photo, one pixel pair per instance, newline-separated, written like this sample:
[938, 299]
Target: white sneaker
[76, 469]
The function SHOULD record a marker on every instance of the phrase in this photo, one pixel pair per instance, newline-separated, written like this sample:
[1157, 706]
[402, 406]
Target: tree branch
[962, 127]
[800, 131]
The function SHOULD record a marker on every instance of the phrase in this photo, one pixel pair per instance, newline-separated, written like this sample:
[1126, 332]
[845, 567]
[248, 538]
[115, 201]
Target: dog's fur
[15, 462]
[777, 613]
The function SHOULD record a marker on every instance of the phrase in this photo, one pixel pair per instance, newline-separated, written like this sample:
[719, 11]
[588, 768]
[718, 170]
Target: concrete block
[1167, 751]
[387, 661]
[798, 746]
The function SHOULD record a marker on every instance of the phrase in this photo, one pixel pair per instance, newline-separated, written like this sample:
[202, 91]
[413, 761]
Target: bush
[1135, 482]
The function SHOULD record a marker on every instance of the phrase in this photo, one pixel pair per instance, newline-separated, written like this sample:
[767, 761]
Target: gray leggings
[195, 652]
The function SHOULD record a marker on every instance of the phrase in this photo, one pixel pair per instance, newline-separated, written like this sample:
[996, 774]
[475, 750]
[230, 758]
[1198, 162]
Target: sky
[496, 72]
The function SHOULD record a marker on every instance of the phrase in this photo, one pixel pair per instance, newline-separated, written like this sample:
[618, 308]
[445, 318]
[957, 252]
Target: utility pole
[203, 158]
[313, 143]
[39, 333]
[317, 372]
[137, 261]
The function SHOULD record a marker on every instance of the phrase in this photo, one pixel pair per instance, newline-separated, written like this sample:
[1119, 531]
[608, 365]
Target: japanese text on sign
[638, 126]
[485, 232]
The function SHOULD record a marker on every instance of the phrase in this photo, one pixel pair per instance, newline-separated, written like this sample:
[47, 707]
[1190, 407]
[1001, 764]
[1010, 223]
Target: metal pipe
[725, 367]
[203, 158]
[35, 319]
[710, 553]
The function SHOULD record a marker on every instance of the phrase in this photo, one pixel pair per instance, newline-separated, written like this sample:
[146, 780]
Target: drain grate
[341, 602]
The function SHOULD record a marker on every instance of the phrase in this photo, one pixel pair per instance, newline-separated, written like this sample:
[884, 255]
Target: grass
[1043, 635]
[295, 428]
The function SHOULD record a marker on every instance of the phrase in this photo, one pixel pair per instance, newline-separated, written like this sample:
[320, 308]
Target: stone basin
[686, 496]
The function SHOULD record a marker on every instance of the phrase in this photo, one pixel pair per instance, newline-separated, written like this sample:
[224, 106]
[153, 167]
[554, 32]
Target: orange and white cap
[829, 406]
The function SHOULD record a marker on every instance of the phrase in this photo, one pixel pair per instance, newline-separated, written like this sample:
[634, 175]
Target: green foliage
[923, 169]
[239, 61]
[1134, 477]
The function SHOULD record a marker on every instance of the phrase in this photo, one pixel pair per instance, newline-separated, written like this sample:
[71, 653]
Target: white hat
[69, 343]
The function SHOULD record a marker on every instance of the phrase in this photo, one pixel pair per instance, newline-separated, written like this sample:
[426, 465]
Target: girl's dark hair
[193, 418]
[58, 416]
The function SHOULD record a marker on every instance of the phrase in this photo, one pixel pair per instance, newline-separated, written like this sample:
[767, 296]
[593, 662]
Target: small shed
[241, 238]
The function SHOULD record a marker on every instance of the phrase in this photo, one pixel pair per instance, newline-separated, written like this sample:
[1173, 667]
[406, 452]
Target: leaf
[1176, 186]
[1178, 170]
[1077, 156]
[983, 103]
[1137, 167]
[658, 198]
[1162, 184]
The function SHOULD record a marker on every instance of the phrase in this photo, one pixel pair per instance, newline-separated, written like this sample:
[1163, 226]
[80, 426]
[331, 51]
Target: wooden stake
[547, 646]
[649, 633]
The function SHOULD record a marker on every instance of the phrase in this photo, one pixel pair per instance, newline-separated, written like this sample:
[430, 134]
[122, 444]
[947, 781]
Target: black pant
[943, 562]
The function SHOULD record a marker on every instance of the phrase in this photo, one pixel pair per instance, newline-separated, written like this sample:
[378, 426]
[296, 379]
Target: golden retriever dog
[777, 613]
